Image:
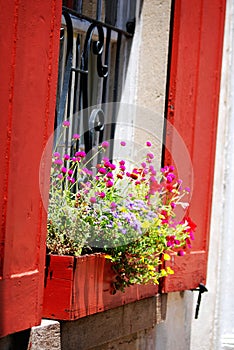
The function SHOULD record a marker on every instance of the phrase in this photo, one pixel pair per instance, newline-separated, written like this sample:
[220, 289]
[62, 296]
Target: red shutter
[194, 85]
[29, 44]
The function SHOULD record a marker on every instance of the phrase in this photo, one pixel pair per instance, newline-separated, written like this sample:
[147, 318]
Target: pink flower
[56, 154]
[66, 123]
[70, 171]
[148, 144]
[60, 176]
[64, 170]
[105, 144]
[123, 143]
[76, 136]
[122, 162]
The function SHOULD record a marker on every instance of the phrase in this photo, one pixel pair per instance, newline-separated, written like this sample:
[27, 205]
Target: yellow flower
[163, 272]
[170, 271]
[146, 224]
[166, 257]
[107, 256]
[151, 267]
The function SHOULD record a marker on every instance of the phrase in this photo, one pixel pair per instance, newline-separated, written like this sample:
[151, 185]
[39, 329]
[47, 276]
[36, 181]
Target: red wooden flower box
[79, 286]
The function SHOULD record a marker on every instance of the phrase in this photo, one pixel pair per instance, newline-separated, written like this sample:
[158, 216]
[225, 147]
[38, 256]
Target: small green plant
[128, 214]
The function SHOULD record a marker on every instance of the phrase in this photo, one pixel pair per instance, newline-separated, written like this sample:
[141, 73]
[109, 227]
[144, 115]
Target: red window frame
[193, 98]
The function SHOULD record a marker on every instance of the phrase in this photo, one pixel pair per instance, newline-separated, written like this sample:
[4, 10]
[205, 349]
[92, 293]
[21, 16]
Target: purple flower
[56, 154]
[123, 143]
[76, 136]
[60, 176]
[148, 144]
[66, 123]
[105, 144]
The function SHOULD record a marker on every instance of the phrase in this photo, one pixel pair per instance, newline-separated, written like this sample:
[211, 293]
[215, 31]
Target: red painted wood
[28, 64]
[192, 110]
[85, 291]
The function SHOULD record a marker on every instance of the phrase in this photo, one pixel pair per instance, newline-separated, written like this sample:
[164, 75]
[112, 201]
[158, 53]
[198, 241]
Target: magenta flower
[80, 154]
[56, 154]
[122, 162]
[113, 205]
[58, 161]
[76, 136]
[109, 183]
[60, 176]
[66, 123]
[150, 155]
[173, 205]
[181, 253]
[148, 144]
[112, 166]
[64, 170]
[70, 172]
[123, 143]
[101, 194]
[102, 170]
[71, 179]
[92, 200]
[105, 144]
[109, 175]
[66, 156]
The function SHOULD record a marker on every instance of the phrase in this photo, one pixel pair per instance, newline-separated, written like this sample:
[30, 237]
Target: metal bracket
[201, 289]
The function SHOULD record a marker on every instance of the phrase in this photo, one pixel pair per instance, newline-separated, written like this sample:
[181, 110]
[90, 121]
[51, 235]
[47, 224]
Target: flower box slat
[88, 290]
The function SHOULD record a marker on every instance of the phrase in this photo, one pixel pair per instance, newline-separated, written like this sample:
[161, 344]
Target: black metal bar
[115, 93]
[107, 56]
[92, 20]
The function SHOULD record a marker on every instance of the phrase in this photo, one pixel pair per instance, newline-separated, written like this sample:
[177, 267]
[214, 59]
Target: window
[95, 44]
